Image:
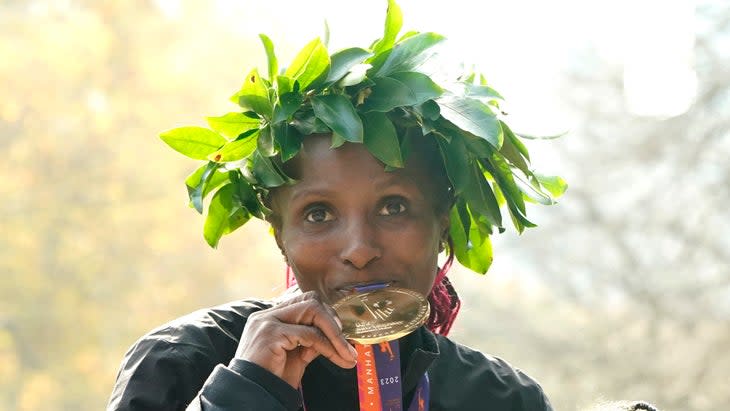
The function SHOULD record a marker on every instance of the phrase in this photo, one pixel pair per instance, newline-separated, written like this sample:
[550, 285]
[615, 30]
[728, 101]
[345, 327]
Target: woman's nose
[360, 244]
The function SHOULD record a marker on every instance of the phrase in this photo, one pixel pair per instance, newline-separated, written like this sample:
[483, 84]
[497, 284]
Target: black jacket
[189, 362]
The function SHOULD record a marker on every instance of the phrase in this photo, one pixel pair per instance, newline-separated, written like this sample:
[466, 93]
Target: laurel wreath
[368, 96]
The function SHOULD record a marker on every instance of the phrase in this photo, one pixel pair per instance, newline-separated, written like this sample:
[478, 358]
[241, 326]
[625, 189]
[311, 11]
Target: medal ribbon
[379, 379]
[378, 375]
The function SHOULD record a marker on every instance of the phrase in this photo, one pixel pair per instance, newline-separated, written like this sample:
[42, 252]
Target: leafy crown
[368, 96]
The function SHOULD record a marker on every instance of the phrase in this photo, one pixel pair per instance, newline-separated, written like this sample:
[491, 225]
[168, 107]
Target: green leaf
[245, 196]
[393, 24]
[236, 220]
[408, 54]
[200, 184]
[464, 217]
[460, 237]
[388, 93]
[236, 150]
[482, 92]
[515, 141]
[519, 220]
[270, 56]
[426, 113]
[309, 65]
[357, 77]
[337, 141]
[221, 208]
[401, 89]
[420, 84]
[287, 105]
[427, 126]
[511, 152]
[254, 95]
[381, 139]
[533, 193]
[343, 61]
[456, 161]
[288, 139]
[482, 224]
[428, 110]
[472, 116]
[266, 172]
[407, 35]
[284, 85]
[474, 251]
[500, 197]
[194, 142]
[265, 142]
[337, 112]
[480, 197]
[307, 123]
[479, 146]
[554, 184]
[499, 169]
[232, 125]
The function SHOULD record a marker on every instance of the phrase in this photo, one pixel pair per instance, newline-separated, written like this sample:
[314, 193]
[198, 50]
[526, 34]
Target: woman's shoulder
[458, 355]
[472, 374]
[224, 316]
[209, 335]
[225, 320]
[180, 355]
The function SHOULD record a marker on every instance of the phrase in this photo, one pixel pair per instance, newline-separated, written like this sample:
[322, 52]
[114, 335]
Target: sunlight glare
[659, 80]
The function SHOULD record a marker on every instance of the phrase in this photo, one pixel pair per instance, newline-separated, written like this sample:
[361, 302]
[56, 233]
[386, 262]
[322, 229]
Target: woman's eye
[318, 215]
[392, 208]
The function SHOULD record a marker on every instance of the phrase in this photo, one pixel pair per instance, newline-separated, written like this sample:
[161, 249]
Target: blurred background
[622, 292]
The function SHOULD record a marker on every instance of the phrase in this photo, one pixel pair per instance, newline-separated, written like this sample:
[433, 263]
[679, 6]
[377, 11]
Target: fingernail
[339, 323]
[353, 351]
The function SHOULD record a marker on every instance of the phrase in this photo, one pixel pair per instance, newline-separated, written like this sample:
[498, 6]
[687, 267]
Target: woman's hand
[284, 339]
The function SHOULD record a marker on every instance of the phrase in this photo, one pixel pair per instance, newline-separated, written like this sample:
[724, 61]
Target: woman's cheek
[307, 258]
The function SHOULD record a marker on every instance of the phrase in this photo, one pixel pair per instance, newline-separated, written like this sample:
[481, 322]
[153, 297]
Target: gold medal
[384, 314]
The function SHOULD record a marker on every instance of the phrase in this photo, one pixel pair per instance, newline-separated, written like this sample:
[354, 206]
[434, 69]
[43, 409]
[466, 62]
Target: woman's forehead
[322, 170]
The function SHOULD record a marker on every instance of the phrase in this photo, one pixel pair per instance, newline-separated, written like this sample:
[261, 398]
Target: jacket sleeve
[154, 375]
[159, 375]
[533, 396]
[245, 386]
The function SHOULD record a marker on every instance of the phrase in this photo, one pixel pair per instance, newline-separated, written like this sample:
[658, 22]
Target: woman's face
[347, 221]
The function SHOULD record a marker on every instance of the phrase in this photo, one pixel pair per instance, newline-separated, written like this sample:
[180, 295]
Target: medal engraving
[381, 315]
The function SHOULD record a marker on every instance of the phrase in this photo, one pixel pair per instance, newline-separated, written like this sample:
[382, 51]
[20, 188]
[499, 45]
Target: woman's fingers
[312, 342]
[311, 312]
[284, 339]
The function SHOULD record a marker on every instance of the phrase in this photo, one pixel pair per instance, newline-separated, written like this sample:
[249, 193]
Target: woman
[371, 191]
